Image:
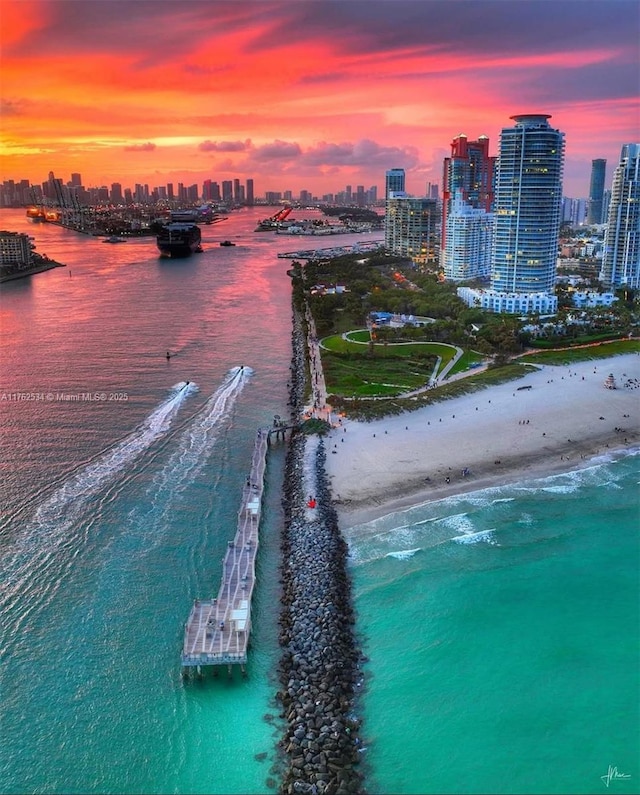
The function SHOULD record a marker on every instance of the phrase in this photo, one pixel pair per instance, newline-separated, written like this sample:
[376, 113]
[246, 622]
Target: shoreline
[50, 265]
[357, 513]
[499, 436]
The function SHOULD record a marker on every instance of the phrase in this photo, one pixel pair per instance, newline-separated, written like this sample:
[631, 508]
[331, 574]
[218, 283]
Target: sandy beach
[499, 435]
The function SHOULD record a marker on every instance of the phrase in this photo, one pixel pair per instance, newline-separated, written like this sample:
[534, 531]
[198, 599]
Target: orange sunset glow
[305, 94]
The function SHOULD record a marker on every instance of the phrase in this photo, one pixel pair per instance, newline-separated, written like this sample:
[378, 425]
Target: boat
[36, 214]
[179, 240]
[114, 239]
[226, 243]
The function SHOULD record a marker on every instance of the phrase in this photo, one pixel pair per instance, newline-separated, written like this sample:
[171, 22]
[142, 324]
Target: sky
[305, 94]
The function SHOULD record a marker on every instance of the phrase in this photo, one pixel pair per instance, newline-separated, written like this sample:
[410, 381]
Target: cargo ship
[179, 240]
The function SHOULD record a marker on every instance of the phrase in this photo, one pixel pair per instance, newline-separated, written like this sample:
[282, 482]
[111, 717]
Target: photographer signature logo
[613, 775]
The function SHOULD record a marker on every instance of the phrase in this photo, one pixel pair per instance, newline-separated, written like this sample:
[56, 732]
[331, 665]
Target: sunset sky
[312, 94]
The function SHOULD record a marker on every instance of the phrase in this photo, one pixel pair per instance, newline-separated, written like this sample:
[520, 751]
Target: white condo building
[469, 232]
[621, 258]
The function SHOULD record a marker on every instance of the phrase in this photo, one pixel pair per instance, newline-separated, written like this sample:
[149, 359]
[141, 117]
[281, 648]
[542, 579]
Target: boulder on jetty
[319, 668]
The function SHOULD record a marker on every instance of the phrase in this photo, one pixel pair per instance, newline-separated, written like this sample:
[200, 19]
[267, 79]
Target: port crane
[280, 215]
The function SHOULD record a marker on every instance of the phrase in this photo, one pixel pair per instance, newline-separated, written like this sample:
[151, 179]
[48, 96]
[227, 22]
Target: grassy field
[374, 409]
[367, 384]
[467, 359]
[355, 368]
[595, 351]
[359, 375]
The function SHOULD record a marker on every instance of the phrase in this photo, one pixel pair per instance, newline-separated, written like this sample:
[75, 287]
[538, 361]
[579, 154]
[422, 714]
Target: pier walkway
[217, 632]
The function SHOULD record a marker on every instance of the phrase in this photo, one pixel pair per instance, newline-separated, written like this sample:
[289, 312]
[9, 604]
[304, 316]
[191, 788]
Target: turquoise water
[504, 665]
[502, 629]
[116, 513]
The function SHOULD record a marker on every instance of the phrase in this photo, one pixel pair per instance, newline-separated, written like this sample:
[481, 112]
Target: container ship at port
[179, 239]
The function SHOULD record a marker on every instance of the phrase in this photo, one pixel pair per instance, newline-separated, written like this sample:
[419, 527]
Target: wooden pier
[217, 632]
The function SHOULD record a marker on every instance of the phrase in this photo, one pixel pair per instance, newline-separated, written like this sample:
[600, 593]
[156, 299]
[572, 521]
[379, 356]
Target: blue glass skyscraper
[528, 199]
[394, 181]
[596, 191]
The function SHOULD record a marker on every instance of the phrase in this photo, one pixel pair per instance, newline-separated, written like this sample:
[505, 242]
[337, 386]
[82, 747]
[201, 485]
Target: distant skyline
[306, 94]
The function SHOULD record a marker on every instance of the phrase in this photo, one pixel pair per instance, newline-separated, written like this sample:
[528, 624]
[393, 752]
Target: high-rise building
[250, 192]
[528, 198]
[432, 190]
[393, 181]
[469, 232]
[116, 193]
[469, 170]
[76, 180]
[411, 227]
[467, 181]
[227, 191]
[236, 191]
[621, 258]
[574, 211]
[596, 191]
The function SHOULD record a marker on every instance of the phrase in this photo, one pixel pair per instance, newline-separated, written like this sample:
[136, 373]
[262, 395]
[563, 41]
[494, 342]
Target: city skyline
[157, 92]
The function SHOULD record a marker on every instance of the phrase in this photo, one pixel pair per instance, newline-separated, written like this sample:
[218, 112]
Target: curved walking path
[436, 377]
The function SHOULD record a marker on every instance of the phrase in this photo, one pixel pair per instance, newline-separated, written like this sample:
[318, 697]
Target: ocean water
[117, 509]
[501, 627]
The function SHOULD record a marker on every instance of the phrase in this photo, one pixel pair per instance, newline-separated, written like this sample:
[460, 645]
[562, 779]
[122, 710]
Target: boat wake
[55, 522]
[194, 446]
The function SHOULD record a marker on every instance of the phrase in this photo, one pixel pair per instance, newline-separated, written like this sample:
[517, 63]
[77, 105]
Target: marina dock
[334, 251]
[217, 631]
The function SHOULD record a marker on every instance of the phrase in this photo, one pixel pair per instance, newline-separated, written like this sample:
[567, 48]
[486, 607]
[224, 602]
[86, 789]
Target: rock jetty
[319, 668]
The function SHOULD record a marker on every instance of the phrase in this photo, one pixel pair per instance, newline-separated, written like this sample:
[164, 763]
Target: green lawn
[569, 355]
[466, 360]
[372, 409]
[354, 368]
[362, 376]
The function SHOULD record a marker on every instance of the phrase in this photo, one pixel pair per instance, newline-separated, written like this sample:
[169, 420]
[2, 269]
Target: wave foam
[403, 554]
[476, 538]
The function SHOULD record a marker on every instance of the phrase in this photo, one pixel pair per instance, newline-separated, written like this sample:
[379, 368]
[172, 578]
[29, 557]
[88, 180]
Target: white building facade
[621, 258]
[543, 303]
[468, 234]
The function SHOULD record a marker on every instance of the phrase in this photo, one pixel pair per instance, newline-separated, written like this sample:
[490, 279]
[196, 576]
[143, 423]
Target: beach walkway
[217, 631]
